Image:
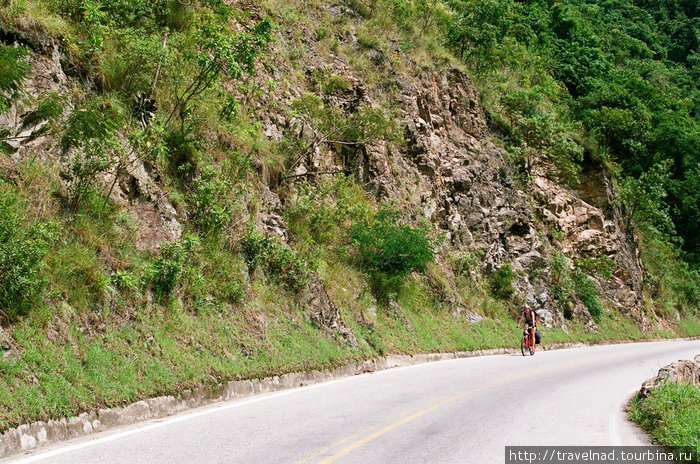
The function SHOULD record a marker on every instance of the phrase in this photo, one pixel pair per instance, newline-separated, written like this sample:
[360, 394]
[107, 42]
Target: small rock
[27, 442]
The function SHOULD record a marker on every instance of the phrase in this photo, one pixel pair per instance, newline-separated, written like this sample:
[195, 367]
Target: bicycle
[526, 344]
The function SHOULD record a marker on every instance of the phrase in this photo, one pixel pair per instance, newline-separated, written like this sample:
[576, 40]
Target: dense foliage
[626, 71]
[167, 88]
[386, 246]
[22, 250]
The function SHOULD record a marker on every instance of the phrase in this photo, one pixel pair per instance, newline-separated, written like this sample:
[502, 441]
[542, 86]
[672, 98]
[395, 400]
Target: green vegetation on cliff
[108, 298]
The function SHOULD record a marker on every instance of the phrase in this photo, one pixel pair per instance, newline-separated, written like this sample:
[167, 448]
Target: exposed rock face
[686, 371]
[590, 225]
[448, 170]
[28, 138]
[463, 183]
[321, 309]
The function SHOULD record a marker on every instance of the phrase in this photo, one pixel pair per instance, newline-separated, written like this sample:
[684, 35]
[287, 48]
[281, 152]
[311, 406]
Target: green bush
[502, 282]
[385, 246]
[277, 261]
[165, 273]
[388, 251]
[210, 205]
[568, 284]
[91, 139]
[588, 293]
[22, 251]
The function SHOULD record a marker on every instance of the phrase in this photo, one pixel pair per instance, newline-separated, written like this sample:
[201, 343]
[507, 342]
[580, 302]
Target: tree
[219, 51]
[478, 27]
[542, 137]
[644, 199]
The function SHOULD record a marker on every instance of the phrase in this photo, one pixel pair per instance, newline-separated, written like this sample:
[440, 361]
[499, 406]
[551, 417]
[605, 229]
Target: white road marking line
[232, 404]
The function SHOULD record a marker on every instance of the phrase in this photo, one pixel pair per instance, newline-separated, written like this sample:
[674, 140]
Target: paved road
[458, 411]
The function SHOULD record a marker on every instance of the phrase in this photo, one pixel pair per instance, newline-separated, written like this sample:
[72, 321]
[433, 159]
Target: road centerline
[405, 420]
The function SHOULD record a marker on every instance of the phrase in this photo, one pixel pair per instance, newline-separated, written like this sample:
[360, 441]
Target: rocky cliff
[449, 170]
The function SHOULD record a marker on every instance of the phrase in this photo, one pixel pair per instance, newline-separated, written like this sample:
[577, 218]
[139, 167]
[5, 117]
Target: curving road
[457, 411]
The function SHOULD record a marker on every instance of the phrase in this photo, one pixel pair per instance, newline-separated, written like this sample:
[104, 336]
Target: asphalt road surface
[458, 411]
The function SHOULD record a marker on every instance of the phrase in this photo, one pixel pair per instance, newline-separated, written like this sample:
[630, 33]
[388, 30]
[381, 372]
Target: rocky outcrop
[588, 223]
[324, 313]
[462, 182]
[686, 372]
[27, 136]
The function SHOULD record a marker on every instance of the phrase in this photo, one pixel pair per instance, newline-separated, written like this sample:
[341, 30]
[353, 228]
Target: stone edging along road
[30, 437]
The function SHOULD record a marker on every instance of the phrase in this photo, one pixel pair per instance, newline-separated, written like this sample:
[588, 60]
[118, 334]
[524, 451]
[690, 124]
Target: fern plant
[13, 72]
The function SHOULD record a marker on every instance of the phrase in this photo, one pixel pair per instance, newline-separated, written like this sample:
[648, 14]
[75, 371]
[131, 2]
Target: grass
[671, 414]
[110, 358]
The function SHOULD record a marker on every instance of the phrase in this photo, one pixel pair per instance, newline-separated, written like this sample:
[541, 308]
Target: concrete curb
[30, 437]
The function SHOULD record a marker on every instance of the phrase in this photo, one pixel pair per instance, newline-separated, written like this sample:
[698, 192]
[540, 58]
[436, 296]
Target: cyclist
[529, 316]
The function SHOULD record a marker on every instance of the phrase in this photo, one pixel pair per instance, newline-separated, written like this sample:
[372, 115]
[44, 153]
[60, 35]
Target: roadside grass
[671, 414]
[689, 326]
[107, 360]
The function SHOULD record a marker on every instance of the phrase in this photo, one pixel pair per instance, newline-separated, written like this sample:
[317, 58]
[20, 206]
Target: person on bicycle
[529, 317]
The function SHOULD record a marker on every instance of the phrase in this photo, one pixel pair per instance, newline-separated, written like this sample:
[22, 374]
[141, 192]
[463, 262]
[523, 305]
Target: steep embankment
[184, 205]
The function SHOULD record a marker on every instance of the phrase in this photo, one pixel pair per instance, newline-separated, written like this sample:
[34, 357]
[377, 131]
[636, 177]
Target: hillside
[197, 192]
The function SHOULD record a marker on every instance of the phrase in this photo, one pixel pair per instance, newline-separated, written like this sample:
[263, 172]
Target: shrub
[124, 280]
[568, 284]
[388, 251]
[502, 282]
[588, 293]
[218, 52]
[82, 171]
[468, 263]
[562, 282]
[91, 138]
[166, 271]
[385, 246]
[279, 262]
[22, 252]
[210, 207]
